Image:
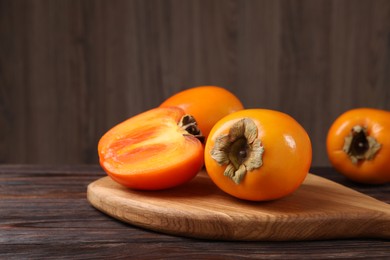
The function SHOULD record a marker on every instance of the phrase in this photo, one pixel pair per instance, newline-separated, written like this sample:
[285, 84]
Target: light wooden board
[319, 209]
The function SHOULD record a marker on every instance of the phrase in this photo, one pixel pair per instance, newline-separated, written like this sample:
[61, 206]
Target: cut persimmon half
[157, 149]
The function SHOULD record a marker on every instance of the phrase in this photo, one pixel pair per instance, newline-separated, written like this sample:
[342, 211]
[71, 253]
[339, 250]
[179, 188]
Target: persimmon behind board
[358, 145]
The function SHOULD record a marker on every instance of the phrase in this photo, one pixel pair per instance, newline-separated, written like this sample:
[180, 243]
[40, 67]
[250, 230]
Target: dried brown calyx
[189, 124]
[359, 145]
[240, 150]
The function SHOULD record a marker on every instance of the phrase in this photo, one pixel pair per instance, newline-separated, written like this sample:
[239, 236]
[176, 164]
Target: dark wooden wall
[70, 70]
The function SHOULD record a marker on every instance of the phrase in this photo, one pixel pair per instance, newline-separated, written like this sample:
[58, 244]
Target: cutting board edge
[94, 200]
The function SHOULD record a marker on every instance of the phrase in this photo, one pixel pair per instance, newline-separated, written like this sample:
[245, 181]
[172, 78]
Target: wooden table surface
[44, 214]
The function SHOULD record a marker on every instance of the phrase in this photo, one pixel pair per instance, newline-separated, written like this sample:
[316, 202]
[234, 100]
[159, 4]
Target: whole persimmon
[258, 154]
[358, 145]
[207, 104]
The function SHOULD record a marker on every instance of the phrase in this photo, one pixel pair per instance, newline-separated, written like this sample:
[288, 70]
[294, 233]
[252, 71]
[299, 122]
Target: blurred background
[71, 69]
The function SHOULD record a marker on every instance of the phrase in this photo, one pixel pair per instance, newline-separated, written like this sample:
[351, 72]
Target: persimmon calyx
[190, 126]
[240, 150]
[359, 145]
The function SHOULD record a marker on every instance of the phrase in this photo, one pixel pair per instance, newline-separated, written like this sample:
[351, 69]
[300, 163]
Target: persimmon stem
[240, 150]
[359, 145]
[189, 124]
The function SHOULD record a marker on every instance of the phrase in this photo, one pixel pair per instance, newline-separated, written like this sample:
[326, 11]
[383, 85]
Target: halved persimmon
[154, 150]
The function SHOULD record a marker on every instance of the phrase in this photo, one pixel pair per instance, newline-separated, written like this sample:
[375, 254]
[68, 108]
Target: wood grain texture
[45, 215]
[319, 209]
[70, 70]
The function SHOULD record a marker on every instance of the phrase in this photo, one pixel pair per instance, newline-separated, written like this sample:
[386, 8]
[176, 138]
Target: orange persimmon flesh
[151, 151]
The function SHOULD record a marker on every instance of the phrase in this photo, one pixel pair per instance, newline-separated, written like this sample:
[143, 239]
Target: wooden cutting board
[319, 209]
